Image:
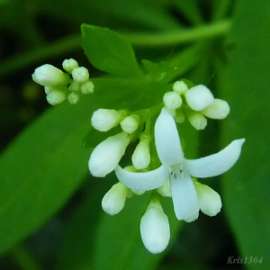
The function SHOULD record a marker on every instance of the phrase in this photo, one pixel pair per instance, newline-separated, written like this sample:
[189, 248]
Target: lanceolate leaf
[109, 51]
[247, 82]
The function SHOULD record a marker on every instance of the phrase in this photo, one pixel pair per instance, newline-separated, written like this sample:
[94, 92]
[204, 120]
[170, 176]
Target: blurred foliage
[50, 214]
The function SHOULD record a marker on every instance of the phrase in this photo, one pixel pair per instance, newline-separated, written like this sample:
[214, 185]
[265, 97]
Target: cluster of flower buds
[195, 103]
[158, 163]
[64, 85]
[109, 152]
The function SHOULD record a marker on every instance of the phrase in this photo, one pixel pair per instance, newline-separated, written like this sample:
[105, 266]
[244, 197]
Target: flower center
[176, 170]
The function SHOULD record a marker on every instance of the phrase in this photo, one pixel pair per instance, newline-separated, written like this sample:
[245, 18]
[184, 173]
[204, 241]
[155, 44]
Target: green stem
[180, 36]
[138, 39]
[24, 259]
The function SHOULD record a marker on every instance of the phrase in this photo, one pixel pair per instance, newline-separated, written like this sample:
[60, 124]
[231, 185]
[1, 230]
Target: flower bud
[141, 155]
[172, 100]
[154, 228]
[80, 74]
[180, 87]
[49, 75]
[114, 200]
[87, 88]
[199, 97]
[105, 119]
[74, 86]
[107, 154]
[70, 64]
[130, 124]
[197, 120]
[73, 98]
[219, 109]
[55, 97]
[209, 200]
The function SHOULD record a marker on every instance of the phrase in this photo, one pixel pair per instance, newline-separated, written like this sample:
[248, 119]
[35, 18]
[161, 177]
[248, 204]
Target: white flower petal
[167, 140]
[216, 164]
[184, 195]
[106, 156]
[209, 200]
[154, 228]
[142, 181]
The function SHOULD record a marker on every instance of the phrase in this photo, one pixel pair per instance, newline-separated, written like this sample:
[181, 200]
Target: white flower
[199, 97]
[180, 87]
[105, 119]
[49, 75]
[179, 170]
[80, 74]
[172, 100]
[141, 155]
[219, 109]
[197, 120]
[70, 64]
[154, 228]
[130, 124]
[114, 200]
[107, 154]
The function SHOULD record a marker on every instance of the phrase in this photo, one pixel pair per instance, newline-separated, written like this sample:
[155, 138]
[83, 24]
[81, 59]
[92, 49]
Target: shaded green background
[50, 214]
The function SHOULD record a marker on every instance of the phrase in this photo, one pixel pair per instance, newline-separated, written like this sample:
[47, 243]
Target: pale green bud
[80, 74]
[70, 64]
[49, 75]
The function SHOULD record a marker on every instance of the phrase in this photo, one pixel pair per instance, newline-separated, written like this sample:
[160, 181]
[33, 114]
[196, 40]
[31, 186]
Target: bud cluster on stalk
[195, 103]
[67, 84]
[136, 130]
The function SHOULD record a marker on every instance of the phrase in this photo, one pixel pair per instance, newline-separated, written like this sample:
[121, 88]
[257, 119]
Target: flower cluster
[60, 85]
[158, 163]
[195, 104]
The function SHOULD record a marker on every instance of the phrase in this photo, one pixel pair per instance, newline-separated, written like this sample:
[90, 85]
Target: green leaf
[117, 237]
[109, 51]
[246, 87]
[40, 170]
[175, 66]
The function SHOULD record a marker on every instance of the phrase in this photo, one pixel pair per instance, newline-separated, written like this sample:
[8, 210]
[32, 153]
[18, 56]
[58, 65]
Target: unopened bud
[73, 98]
[219, 109]
[180, 87]
[74, 86]
[49, 75]
[55, 97]
[154, 228]
[197, 120]
[199, 97]
[105, 119]
[70, 64]
[141, 155]
[80, 74]
[130, 123]
[87, 88]
[172, 100]
[114, 200]
[107, 154]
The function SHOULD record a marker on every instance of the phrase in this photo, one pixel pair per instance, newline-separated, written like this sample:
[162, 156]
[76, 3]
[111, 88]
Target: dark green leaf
[246, 86]
[109, 51]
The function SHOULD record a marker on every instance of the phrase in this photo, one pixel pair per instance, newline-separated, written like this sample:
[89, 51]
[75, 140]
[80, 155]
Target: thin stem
[180, 36]
[138, 39]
